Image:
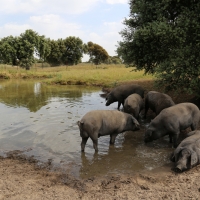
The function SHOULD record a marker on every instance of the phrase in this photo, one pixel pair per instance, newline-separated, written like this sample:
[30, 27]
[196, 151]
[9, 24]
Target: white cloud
[13, 29]
[55, 27]
[52, 26]
[117, 1]
[108, 39]
[47, 6]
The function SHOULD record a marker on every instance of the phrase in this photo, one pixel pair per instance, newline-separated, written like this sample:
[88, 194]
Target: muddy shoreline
[22, 178]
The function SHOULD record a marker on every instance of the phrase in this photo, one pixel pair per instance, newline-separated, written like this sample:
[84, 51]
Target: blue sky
[99, 21]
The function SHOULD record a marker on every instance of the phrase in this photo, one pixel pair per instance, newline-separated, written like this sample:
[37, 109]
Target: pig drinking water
[172, 120]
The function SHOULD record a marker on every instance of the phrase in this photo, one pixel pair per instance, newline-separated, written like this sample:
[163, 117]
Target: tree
[74, 49]
[19, 50]
[97, 53]
[57, 50]
[114, 60]
[162, 37]
[44, 48]
[27, 46]
[7, 50]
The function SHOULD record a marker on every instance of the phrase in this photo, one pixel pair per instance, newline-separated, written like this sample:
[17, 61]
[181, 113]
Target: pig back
[133, 101]
[158, 101]
[123, 91]
[183, 114]
[105, 121]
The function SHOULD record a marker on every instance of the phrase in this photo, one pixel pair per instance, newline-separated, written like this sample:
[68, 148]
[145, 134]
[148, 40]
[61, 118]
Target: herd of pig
[170, 119]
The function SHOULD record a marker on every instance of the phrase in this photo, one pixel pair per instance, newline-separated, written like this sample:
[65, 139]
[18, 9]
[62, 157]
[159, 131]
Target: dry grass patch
[82, 74]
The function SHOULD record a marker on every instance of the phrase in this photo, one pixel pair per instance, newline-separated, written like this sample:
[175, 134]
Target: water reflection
[33, 95]
[43, 119]
[129, 155]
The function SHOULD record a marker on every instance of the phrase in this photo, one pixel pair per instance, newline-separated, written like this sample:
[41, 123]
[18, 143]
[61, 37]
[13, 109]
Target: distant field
[82, 74]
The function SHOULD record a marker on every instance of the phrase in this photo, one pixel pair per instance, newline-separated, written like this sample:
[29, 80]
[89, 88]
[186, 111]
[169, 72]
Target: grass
[82, 74]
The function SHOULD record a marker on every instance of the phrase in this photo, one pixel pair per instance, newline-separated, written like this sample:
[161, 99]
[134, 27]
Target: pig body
[133, 105]
[120, 93]
[187, 154]
[172, 120]
[157, 101]
[98, 123]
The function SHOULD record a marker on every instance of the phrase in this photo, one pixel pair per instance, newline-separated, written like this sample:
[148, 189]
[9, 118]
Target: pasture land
[81, 74]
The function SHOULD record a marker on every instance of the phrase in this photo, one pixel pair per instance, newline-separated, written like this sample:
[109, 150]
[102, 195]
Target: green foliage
[97, 53]
[44, 48]
[19, 50]
[113, 60]
[7, 50]
[162, 37]
[29, 47]
[74, 49]
[57, 49]
[68, 51]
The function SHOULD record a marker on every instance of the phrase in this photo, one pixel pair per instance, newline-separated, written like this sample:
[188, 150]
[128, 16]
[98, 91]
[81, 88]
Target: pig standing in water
[120, 93]
[157, 101]
[105, 122]
[133, 105]
[187, 154]
[172, 120]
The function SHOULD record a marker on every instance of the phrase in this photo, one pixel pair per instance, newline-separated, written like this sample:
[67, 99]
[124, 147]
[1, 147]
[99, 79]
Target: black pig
[172, 120]
[157, 101]
[187, 154]
[120, 93]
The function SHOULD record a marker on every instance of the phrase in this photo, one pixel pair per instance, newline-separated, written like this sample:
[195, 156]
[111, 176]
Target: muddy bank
[21, 179]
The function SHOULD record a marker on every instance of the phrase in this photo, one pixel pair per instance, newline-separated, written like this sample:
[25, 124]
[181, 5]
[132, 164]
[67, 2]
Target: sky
[98, 21]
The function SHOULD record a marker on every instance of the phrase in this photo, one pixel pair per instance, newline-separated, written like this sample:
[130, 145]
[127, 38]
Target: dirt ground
[22, 178]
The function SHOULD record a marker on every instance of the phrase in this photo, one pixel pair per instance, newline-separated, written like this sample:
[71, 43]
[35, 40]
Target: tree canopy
[163, 38]
[25, 49]
[97, 53]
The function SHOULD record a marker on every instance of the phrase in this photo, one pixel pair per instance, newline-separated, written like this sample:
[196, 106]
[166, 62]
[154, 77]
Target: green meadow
[81, 74]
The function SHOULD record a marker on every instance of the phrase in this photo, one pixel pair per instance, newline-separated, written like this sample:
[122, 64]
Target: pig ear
[176, 153]
[80, 123]
[194, 158]
[137, 125]
[135, 121]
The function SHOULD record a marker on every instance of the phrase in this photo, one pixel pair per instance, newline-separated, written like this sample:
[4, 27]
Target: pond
[41, 121]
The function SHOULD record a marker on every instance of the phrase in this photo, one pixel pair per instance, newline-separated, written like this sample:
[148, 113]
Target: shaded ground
[22, 178]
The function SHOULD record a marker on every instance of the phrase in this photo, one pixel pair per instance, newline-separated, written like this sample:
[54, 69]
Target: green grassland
[81, 74]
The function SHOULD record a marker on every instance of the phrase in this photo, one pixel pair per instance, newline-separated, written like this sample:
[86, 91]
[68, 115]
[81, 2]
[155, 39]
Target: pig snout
[146, 140]
[107, 103]
[180, 168]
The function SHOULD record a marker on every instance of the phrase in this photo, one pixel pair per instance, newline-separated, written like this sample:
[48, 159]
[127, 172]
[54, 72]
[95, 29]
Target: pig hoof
[177, 170]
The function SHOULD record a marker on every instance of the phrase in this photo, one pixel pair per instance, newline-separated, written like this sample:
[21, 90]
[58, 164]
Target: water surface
[42, 120]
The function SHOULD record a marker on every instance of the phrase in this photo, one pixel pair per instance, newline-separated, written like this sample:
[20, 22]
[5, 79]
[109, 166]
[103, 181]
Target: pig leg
[119, 104]
[95, 144]
[112, 138]
[175, 140]
[170, 138]
[146, 109]
[83, 143]
[123, 103]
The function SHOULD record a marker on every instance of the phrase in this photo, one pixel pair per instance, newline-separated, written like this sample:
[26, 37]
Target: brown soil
[22, 178]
